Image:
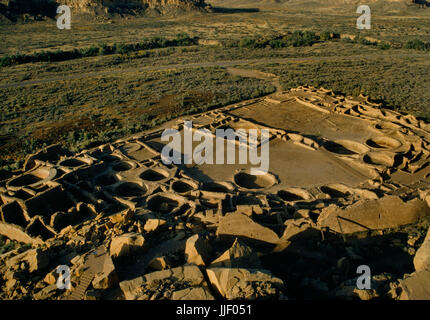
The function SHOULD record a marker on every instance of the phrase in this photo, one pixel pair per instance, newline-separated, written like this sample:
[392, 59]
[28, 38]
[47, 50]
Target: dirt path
[258, 75]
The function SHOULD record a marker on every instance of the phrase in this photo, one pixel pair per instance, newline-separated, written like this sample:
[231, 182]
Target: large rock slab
[46, 293]
[238, 283]
[107, 276]
[192, 294]
[296, 231]
[36, 260]
[164, 282]
[126, 244]
[17, 233]
[237, 225]
[239, 255]
[416, 286]
[152, 224]
[387, 212]
[379, 288]
[197, 250]
[422, 257]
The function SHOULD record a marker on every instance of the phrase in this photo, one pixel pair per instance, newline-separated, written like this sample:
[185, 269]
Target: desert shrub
[417, 45]
[247, 43]
[183, 39]
[6, 61]
[295, 39]
[231, 43]
[104, 49]
[277, 43]
[348, 40]
[383, 45]
[5, 245]
[325, 36]
[31, 145]
[364, 41]
[90, 51]
[309, 38]
[299, 38]
[122, 48]
[155, 42]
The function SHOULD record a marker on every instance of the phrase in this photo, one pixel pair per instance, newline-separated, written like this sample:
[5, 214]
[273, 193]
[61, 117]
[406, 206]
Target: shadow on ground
[235, 10]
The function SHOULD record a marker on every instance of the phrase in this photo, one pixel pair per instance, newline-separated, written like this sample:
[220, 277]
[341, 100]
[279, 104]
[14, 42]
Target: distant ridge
[133, 6]
[40, 9]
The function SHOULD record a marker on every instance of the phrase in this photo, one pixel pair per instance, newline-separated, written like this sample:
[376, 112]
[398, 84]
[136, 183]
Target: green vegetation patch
[6, 245]
[182, 39]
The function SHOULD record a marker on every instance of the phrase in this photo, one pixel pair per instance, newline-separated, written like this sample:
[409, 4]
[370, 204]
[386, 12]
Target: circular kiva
[218, 186]
[293, 194]
[345, 147]
[248, 181]
[154, 174]
[183, 186]
[336, 190]
[105, 180]
[130, 190]
[33, 178]
[122, 166]
[387, 159]
[162, 203]
[383, 142]
[385, 125]
[130, 147]
[109, 158]
[369, 111]
[72, 163]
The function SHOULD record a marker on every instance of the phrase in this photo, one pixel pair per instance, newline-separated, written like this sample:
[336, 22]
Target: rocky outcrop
[113, 6]
[422, 257]
[34, 258]
[416, 286]
[239, 255]
[387, 212]
[237, 283]
[48, 8]
[126, 244]
[238, 225]
[418, 3]
[30, 6]
[197, 250]
[166, 283]
[106, 276]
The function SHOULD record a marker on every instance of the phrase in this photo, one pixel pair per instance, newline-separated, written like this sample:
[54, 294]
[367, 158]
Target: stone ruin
[132, 227]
